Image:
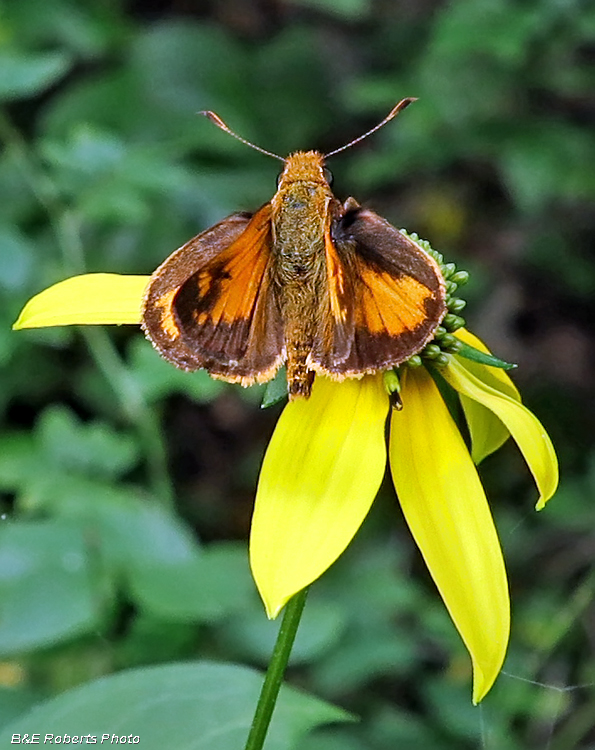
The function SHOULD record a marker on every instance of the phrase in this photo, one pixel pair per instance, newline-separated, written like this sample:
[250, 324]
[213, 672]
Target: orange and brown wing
[386, 296]
[210, 305]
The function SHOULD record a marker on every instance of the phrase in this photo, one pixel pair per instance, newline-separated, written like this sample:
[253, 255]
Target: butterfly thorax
[300, 218]
[300, 215]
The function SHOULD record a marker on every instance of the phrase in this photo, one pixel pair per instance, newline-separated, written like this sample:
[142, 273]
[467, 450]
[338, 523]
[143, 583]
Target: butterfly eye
[328, 175]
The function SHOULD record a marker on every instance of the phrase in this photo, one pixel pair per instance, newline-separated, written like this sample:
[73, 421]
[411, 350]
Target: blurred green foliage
[126, 485]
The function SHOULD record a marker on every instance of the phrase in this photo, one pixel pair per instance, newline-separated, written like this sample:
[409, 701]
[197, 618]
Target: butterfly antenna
[220, 124]
[392, 114]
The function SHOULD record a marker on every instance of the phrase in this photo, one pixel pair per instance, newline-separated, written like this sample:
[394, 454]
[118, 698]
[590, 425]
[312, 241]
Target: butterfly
[322, 286]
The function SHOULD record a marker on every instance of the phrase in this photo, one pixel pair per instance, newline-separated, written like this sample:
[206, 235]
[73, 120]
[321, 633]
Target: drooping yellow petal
[488, 433]
[320, 474]
[93, 298]
[496, 377]
[446, 509]
[525, 428]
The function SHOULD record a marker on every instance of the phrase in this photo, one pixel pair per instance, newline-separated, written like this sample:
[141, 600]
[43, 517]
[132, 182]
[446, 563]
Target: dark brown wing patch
[210, 304]
[386, 296]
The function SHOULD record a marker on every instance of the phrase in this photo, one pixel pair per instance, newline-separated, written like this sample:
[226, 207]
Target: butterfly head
[303, 166]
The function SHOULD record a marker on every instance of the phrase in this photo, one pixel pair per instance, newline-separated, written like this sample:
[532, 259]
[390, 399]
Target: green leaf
[275, 390]
[17, 258]
[19, 458]
[205, 588]
[183, 706]
[174, 55]
[87, 150]
[547, 160]
[156, 378]
[93, 449]
[25, 75]
[252, 638]
[152, 640]
[109, 177]
[496, 28]
[335, 739]
[366, 656]
[84, 28]
[47, 588]
[475, 355]
[132, 531]
[136, 532]
[14, 701]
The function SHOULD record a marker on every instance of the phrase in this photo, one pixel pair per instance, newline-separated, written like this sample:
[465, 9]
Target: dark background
[106, 167]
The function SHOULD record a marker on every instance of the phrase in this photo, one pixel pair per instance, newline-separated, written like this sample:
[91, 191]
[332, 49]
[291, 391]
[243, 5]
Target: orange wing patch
[210, 305]
[390, 304]
[168, 322]
[385, 297]
[336, 279]
[229, 285]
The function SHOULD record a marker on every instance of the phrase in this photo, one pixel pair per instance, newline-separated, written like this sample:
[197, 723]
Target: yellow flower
[325, 463]
[327, 458]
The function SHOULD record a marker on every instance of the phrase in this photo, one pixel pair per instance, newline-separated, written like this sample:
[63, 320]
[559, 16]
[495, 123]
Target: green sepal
[392, 385]
[276, 390]
[475, 355]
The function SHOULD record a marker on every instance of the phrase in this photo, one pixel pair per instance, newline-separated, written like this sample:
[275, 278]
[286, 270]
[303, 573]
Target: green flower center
[444, 343]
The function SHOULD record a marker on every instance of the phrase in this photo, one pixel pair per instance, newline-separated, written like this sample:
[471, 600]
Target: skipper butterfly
[307, 281]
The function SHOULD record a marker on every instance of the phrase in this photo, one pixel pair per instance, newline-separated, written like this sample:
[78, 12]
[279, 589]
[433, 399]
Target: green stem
[276, 669]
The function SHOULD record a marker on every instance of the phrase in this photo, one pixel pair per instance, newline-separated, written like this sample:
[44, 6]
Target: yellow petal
[446, 509]
[494, 376]
[320, 474]
[488, 433]
[92, 298]
[525, 428]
